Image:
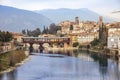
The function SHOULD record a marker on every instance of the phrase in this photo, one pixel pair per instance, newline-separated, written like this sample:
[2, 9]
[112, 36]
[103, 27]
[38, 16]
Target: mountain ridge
[13, 19]
[61, 14]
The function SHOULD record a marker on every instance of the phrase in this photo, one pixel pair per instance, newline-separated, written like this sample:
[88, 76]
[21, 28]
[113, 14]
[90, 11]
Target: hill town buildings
[82, 32]
[86, 31]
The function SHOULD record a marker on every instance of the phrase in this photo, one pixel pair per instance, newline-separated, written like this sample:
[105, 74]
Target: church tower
[102, 31]
[100, 21]
[77, 20]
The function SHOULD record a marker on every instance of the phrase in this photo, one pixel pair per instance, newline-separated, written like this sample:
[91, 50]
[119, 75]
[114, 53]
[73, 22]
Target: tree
[71, 27]
[8, 37]
[28, 32]
[44, 30]
[36, 32]
[39, 31]
[23, 31]
[75, 44]
[95, 42]
[5, 36]
[52, 28]
[47, 30]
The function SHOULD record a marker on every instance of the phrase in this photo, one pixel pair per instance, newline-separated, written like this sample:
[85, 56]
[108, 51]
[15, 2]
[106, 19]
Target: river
[66, 65]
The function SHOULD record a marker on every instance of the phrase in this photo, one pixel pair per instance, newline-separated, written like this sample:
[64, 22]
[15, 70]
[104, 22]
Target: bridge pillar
[50, 44]
[41, 47]
[119, 53]
[70, 40]
[66, 44]
[31, 47]
[61, 44]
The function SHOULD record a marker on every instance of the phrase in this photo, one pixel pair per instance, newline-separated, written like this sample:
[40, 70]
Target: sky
[109, 8]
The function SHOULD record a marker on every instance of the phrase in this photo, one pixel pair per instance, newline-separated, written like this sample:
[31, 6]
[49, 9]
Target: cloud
[116, 12]
[6, 2]
[2, 2]
[96, 5]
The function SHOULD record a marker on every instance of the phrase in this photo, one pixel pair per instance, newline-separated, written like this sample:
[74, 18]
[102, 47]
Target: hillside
[13, 19]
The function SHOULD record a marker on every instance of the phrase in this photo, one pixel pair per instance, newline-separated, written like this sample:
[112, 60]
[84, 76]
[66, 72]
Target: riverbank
[10, 60]
[16, 65]
[107, 52]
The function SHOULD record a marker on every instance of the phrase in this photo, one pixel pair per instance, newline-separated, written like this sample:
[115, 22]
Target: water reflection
[59, 65]
[9, 76]
[12, 75]
[1, 77]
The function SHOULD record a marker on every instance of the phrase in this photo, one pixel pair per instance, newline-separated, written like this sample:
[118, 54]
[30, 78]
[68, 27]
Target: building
[65, 26]
[6, 46]
[77, 20]
[100, 22]
[114, 35]
[86, 38]
[113, 42]
[17, 37]
[82, 31]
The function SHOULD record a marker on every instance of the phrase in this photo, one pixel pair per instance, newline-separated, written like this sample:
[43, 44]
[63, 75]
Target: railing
[45, 39]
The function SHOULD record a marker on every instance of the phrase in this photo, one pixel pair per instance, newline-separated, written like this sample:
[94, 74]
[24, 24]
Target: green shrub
[75, 44]
[80, 46]
[95, 42]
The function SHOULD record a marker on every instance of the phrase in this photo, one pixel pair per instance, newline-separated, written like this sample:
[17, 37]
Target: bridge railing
[45, 39]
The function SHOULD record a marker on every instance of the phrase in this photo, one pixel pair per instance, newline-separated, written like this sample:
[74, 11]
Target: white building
[114, 36]
[86, 38]
[113, 42]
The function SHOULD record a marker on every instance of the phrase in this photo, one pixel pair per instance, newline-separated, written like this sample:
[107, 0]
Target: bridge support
[31, 47]
[50, 44]
[41, 47]
[66, 44]
[61, 44]
[119, 53]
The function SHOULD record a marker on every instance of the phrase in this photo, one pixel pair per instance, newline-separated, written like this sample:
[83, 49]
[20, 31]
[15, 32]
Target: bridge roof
[43, 37]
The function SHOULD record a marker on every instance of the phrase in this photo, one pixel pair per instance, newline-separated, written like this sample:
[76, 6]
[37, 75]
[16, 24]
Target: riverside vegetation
[9, 59]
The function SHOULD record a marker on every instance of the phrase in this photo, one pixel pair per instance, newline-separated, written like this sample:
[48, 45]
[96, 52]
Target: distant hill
[13, 19]
[58, 15]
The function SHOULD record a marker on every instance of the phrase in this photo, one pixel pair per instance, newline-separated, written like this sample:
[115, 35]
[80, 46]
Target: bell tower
[100, 21]
[77, 20]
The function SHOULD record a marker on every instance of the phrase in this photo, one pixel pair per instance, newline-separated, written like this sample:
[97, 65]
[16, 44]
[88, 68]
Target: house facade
[114, 36]
[82, 31]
